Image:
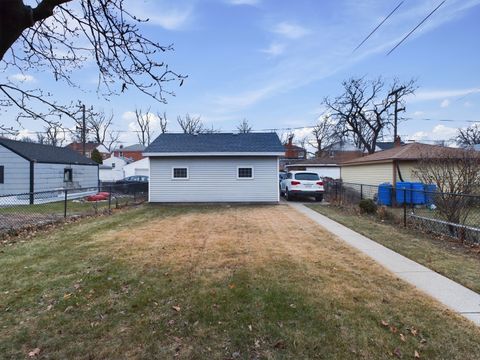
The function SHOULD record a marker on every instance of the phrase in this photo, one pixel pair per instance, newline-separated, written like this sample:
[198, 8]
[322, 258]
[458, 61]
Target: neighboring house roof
[45, 153]
[337, 158]
[412, 152]
[216, 143]
[78, 146]
[314, 162]
[293, 147]
[386, 145]
[134, 147]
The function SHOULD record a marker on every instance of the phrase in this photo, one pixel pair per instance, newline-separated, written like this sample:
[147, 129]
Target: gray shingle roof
[216, 143]
[45, 153]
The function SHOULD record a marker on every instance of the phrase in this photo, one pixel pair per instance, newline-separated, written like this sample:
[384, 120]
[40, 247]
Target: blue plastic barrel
[418, 193]
[430, 190]
[404, 193]
[385, 194]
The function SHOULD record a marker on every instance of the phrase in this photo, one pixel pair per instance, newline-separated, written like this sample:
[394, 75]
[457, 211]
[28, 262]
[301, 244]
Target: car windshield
[307, 176]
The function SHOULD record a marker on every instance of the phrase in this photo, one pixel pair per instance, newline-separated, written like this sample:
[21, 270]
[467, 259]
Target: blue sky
[272, 62]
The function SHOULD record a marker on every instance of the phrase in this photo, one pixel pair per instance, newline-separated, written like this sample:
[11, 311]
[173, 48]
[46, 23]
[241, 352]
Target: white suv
[302, 183]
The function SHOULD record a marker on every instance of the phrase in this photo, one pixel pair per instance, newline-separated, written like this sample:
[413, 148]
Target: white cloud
[274, 49]
[22, 78]
[290, 30]
[439, 132]
[467, 104]
[426, 95]
[161, 14]
[445, 103]
[243, 2]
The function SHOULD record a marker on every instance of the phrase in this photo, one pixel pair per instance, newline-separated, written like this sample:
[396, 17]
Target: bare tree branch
[469, 136]
[59, 36]
[365, 109]
[191, 124]
[244, 127]
[144, 132]
[163, 122]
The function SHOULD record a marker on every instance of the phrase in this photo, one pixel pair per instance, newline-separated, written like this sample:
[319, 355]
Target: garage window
[67, 175]
[2, 169]
[245, 172]
[180, 173]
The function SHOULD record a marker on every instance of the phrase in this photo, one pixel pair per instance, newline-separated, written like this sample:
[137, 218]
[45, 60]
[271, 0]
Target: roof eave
[189, 154]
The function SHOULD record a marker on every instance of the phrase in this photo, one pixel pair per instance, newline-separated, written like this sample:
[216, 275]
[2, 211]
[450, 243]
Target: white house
[140, 167]
[221, 167]
[112, 168]
[29, 167]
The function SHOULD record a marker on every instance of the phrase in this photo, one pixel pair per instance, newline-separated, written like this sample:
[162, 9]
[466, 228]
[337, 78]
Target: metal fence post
[404, 207]
[65, 205]
[361, 191]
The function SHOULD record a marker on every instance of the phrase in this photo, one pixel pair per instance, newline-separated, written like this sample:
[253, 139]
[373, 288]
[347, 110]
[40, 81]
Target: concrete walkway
[453, 295]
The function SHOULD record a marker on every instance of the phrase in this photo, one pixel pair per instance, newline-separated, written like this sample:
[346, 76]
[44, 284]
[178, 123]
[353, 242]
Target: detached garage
[222, 167]
[29, 167]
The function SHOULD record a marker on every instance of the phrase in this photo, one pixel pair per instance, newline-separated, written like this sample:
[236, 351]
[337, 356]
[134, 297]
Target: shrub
[367, 206]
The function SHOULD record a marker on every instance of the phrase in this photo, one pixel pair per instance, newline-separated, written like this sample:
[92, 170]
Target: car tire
[319, 198]
[288, 195]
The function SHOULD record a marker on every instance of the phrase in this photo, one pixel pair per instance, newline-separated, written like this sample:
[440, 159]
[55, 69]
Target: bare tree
[163, 122]
[469, 136]
[456, 174]
[58, 36]
[191, 124]
[99, 126]
[244, 127]
[54, 134]
[365, 110]
[41, 138]
[144, 132]
[325, 133]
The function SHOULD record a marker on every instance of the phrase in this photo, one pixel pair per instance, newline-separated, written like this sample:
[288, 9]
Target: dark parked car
[132, 184]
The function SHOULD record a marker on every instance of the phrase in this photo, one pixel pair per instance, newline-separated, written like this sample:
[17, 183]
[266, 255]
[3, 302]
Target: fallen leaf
[414, 331]
[402, 337]
[232, 286]
[67, 296]
[34, 353]
[49, 307]
[393, 329]
[280, 344]
[384, 323]
[176, 308]
[250, 327]
[397, 353]
[416, 354]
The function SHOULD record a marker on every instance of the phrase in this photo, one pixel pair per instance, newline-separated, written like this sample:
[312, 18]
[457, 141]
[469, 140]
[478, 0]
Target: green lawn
[240, 282]
[446, 257]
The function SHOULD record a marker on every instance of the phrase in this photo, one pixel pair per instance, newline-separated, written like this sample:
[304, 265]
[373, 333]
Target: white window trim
[181, 167]
[245, 178]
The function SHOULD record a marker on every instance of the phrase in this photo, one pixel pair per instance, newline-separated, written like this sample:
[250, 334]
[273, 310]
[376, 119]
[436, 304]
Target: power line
[416, 27]
[378, 26]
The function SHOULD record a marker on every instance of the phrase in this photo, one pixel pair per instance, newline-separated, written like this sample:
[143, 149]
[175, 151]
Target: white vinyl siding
[16, 173]
[369, 174]
[51, 176]
[214, 179]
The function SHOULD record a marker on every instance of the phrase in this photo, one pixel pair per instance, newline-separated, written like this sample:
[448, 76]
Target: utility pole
[397, 110]
[83, 130]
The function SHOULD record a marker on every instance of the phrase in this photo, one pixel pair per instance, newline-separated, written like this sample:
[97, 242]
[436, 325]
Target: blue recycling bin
[385, 194]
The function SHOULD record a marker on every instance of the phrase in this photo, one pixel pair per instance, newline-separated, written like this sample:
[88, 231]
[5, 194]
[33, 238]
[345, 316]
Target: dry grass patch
[240, 282]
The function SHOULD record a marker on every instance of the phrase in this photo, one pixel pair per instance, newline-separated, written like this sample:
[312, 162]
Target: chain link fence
[32, 210]
[414, 204]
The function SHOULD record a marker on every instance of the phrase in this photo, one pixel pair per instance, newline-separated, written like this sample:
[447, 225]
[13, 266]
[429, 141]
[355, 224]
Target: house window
[245, 172]
[67, 175]
[113, 165]
[2, 178]
[180, 173]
